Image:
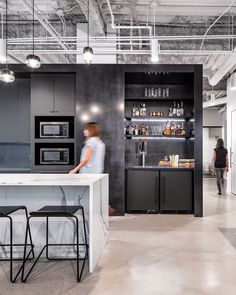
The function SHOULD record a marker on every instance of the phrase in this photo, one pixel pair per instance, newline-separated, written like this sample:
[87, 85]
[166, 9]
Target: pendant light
[7, 75]
[88, 51]
[32, 60]
[155, 46]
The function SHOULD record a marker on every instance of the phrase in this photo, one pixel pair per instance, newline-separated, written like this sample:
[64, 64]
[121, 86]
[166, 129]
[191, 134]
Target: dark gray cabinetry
[15, 112]
[176, 190]
[162, 190]
[53, 94]
[142, 190]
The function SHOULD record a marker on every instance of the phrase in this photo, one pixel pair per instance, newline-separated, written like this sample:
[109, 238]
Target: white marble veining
[38, 190]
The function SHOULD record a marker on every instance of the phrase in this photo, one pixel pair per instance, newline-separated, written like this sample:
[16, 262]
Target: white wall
[231, 105]
[212, 118]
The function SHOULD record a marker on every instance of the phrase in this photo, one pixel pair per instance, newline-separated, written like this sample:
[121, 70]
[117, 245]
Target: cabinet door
[42, 94]
[142, 193]
[64, 94]
[176, 190]
[8, 112]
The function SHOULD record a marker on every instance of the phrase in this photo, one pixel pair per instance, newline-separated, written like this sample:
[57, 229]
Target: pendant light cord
[33, 24]
[88, 26]
[6, 24]
[154, 29]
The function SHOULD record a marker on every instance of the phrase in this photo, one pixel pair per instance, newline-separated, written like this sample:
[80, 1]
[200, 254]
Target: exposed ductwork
[222, 69]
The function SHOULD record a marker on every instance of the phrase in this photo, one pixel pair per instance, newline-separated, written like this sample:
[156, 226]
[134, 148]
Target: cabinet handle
[162, 190]
[155, 191]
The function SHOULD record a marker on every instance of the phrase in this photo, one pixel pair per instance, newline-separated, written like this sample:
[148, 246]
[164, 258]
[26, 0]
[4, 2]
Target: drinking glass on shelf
[167, 92]
[152, 130]
[164, 92]
[159, 92]
[156, 93]
[152, 92]
[159, 130]
[149, 92]
[145, 92]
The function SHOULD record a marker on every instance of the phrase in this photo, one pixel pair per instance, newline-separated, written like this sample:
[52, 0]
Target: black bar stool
[59, 211]
[5, 212]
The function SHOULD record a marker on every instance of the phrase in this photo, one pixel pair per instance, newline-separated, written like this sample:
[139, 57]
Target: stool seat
[6, 210]
[56, 211]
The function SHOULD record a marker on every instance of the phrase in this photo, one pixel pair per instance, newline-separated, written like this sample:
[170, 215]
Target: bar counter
[38, 190]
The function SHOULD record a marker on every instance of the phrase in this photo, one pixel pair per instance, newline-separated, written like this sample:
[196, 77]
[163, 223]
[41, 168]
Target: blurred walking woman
[93, 151]
[220, 162]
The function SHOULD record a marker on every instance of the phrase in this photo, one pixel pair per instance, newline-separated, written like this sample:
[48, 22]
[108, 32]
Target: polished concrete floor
[153, 255]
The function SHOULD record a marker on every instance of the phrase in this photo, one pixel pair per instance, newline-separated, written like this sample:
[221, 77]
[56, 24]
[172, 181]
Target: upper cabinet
[53, 94]
[15, 112]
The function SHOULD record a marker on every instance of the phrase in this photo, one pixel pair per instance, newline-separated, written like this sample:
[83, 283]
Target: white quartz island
[38, 190]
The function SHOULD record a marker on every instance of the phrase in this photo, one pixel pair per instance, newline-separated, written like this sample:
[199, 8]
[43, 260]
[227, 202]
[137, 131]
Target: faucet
[142, 151]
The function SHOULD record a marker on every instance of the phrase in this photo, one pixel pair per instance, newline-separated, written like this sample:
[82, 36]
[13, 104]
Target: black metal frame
[11, 245]
[47, 245]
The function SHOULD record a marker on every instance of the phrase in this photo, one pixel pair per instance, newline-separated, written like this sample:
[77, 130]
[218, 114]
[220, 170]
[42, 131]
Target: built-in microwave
[54, 129]
[57, 127]
[54, 156]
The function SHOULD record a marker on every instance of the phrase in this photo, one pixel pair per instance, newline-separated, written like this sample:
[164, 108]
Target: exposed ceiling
[180, 27]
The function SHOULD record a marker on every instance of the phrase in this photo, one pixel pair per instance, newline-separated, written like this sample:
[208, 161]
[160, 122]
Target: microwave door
[54, 129]
[54, 156]
[51, 130]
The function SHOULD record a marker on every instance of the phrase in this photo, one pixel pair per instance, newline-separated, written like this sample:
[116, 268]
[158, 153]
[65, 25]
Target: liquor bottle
[141, 110]
[182, 109]
[137, 112]
[174, 110]
[144, 110]
[133, 111]
[178, 111]
[170, 114]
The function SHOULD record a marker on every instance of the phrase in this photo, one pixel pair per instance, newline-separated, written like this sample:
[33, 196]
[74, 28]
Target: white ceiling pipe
[143, 38]
[114, 26]
[111, 50]
[222, 70]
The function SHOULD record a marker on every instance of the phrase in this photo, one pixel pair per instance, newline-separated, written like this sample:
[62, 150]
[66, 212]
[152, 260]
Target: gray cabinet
[176, 190]
[142, 190]
[42, 88]
[53, 94]
[64, 94]
[15, 111]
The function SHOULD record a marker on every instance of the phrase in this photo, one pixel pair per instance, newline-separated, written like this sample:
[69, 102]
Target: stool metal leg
[77, 248]
[30, 236]
[47, 256]
[23, 279]
[85, 232]
[12, 279]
